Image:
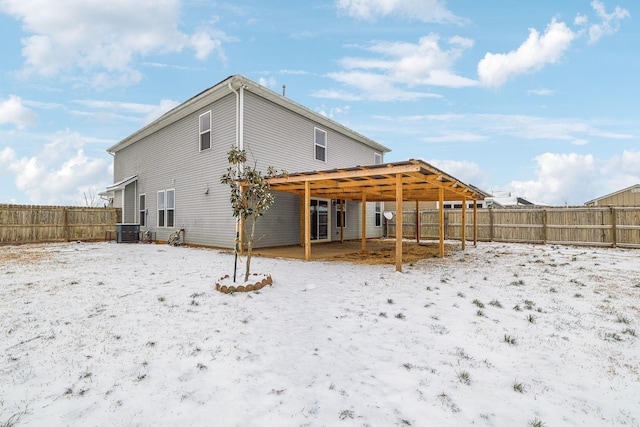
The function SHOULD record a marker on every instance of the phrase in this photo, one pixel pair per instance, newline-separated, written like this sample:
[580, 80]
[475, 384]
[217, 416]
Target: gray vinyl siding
[354, 215]
[275, 136]
[283, 139]
[280, 226]
[130, 204]
[171, 159]
[372, 230]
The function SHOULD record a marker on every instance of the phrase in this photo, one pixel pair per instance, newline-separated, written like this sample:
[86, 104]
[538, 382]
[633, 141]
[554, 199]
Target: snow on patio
[502, 334]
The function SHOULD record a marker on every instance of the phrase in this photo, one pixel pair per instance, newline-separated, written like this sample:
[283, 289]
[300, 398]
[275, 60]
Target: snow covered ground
[500, 335]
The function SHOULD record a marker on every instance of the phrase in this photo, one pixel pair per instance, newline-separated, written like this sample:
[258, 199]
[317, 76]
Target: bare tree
[91, 199]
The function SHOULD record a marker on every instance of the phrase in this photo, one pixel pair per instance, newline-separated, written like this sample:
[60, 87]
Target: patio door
[319, 219]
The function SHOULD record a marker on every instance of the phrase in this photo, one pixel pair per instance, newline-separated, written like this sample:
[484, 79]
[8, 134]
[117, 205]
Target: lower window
[166, 208]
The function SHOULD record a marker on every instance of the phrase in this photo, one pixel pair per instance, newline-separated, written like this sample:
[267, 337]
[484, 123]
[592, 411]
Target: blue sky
[537, 98]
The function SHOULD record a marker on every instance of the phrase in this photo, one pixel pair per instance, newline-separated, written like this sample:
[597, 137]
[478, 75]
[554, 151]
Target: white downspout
[123, 197]
[237, 115]
[241, 120]
[135, 204]
[239, 144]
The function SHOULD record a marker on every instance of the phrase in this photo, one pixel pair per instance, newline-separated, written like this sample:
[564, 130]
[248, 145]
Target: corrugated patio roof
[420, 182]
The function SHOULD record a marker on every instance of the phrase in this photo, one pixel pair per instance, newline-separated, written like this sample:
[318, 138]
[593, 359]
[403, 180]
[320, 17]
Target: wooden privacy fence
[34, 224]
[610, 226]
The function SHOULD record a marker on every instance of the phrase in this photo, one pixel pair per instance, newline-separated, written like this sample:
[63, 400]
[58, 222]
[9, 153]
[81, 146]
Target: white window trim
[377, 212]
[344, 225]
[163, 210]
[329, 219]
[167, 209]
[200, 132]
[377, 158]
[315, 144]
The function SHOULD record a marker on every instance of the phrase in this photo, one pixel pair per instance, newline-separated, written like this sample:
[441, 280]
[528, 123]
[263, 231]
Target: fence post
[614, 231]
[544, 226]
[417, 222]
[491, 224]
[65, 229]
[446, 224]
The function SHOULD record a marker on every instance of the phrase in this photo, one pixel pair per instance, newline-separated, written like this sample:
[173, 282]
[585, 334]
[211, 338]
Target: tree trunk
[249, 248]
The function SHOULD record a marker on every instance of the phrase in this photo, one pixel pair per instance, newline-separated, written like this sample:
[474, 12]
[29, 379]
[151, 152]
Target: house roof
[613, 194]
[121, 184]
[420, 181]
[222, 89]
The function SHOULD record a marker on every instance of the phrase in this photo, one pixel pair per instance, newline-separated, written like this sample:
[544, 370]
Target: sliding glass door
[319, 219]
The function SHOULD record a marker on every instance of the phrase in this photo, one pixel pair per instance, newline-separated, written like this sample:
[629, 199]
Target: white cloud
[630, 163]
[495, 69]
[574, 178]
[103, 37]
[158, 110]
[433, 11]
[397, 68]
[12, 111]
[581, 20]
[294, 72]
[476, 127]
[540, 50]
[113, 110]
[609, 22]
[560, 179]
[467, 172]
[269, 82]
[371, 86]
[456, 136]
[541, 92]
[333, 112]
[60, 173]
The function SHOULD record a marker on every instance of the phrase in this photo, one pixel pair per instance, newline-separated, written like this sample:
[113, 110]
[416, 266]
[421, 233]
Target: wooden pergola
[411, 180]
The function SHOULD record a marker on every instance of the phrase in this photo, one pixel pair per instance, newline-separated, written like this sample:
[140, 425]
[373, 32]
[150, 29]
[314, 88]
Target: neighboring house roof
[509, 201]
[595, 201]
[223, 89]
[484, 193]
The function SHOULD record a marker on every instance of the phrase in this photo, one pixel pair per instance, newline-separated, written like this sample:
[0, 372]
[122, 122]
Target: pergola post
[342, 220]
[398, 222]
[463, 232]
[307, 221]
[364, 223]
[417, 222]
[441, 221]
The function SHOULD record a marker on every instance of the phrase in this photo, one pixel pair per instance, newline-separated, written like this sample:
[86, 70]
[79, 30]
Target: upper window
[320, 145]
[143, 210]
[205, 131]
[377, 158]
